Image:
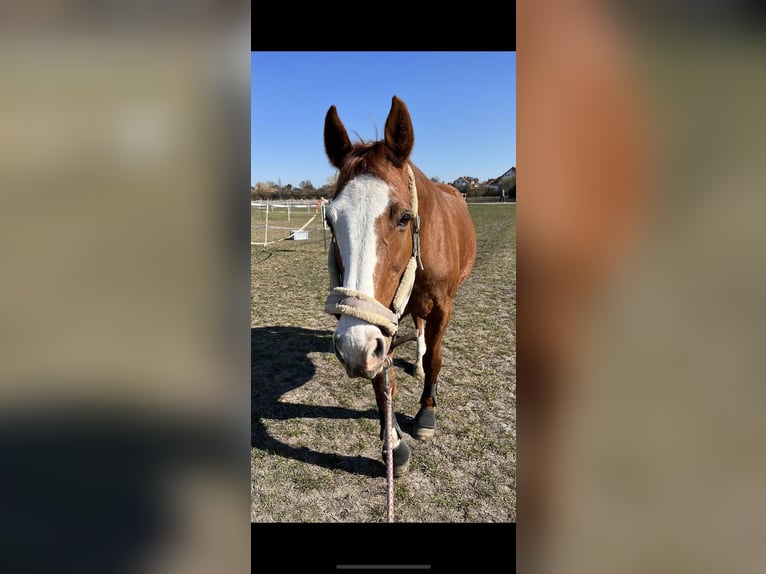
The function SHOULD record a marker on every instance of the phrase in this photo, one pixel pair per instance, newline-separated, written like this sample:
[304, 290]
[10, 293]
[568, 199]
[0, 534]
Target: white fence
[294, 208]
[291, 205]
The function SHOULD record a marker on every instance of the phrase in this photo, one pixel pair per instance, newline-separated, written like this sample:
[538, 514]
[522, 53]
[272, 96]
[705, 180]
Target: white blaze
[353, 214]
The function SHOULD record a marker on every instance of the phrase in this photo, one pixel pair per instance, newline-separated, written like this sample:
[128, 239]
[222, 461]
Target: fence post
[266, 231]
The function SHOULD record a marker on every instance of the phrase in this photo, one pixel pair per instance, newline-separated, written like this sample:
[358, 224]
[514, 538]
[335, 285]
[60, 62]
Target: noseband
[343, 301]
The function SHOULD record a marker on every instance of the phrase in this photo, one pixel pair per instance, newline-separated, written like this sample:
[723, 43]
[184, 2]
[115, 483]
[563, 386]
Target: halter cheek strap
[343, 301]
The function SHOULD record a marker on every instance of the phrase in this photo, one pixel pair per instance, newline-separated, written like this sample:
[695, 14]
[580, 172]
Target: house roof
[509, 172]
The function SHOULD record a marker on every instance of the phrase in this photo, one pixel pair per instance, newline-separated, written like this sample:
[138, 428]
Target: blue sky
[463, 108]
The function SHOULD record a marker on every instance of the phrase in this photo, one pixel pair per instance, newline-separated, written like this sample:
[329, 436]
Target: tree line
[270, 190]
[306, 190]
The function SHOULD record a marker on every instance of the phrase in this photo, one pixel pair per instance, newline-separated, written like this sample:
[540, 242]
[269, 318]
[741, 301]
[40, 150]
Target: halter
[343, 301]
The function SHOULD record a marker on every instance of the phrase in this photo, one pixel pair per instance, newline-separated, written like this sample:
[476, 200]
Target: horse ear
[399, 134]
[336, 142]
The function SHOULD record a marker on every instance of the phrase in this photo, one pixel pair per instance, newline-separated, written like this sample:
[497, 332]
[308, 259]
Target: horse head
[374, 220]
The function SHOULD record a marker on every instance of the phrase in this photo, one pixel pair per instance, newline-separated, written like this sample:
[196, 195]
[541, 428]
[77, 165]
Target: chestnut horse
[402, 245]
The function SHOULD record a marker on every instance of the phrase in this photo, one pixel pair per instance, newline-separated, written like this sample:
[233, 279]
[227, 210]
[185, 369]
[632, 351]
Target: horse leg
[401, 451]
[424, 425]
[421, 346]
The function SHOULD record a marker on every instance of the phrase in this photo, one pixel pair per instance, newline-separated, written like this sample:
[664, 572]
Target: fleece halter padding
[343, 301]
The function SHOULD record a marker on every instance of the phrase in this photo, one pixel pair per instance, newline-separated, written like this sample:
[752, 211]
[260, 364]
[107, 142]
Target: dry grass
[316, 456]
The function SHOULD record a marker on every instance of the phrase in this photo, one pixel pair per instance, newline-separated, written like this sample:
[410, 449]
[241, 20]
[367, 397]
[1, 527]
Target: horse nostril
[380, 349]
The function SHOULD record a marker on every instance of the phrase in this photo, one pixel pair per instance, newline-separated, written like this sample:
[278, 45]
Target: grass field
[315, 453]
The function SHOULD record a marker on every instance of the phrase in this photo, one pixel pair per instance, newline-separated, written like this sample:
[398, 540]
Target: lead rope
[389, 451]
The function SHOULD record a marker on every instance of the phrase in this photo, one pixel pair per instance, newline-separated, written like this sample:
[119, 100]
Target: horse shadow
[280, 363]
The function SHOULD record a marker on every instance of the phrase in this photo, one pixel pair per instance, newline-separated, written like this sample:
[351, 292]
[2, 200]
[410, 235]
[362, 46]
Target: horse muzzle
[360, 347]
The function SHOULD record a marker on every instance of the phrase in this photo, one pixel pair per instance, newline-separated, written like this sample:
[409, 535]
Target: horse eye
[405, 219]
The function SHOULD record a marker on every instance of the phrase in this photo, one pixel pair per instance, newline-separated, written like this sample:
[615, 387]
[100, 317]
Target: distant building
[493, 185]
[463, 183]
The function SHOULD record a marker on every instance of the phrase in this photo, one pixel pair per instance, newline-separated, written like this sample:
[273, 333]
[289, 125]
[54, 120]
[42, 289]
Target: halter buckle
[416, 242]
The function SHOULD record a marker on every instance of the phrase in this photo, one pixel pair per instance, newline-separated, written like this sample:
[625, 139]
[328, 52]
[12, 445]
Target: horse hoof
[401, 459]
[424, 426]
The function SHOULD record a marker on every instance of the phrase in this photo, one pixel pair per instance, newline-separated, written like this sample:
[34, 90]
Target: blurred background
[641, 286]
[124, 297]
